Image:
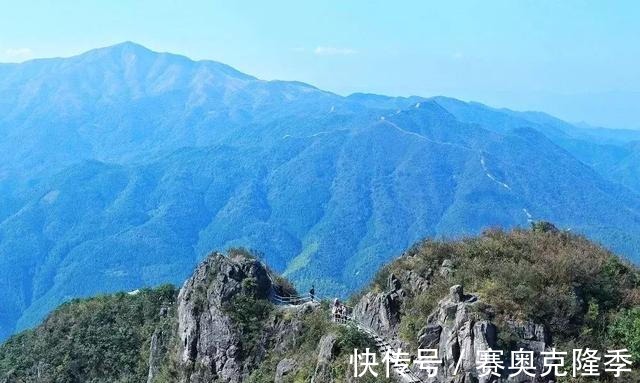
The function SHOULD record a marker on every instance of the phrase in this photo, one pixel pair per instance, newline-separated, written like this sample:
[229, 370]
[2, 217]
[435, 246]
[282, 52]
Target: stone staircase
[403, 372]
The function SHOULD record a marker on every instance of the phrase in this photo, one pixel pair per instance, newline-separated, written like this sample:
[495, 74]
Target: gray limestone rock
[284, 368]
[326, 349]
[210, 343]
[460, 334]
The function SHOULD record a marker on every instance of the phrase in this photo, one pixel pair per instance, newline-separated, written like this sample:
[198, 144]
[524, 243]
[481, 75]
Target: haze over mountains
[122, 167]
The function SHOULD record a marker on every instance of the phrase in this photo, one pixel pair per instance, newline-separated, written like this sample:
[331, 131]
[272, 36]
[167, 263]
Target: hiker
[312, 292]
[335, 310]
[343, 311]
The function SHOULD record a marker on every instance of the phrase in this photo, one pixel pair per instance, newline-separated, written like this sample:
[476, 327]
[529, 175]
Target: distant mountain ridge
[122, 167]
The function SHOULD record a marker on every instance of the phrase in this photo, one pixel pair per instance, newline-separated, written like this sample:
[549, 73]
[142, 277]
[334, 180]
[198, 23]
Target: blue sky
[578, 60]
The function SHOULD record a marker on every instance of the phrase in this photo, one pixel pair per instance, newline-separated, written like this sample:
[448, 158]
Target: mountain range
[123, 167]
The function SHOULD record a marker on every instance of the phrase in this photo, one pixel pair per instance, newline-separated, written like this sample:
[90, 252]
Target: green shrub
[625, 332]
[572, 286]
[249, 315]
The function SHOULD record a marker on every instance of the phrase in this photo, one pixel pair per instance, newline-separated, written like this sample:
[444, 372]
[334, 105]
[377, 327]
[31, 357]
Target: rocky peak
[210, 342]
[222, 277]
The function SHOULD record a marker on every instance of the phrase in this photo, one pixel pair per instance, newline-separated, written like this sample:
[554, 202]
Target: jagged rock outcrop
[382, 311]
[458, 332]
[326, 349]
[155, 354]
[213, 345]
[210, 342]
[415, 282]
[456, 328]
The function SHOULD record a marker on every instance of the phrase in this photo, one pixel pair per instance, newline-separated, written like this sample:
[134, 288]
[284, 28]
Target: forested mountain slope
[121, 167]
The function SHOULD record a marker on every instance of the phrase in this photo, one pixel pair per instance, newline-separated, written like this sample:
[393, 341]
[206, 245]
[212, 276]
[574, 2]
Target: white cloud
[333, 51]
[18, 53]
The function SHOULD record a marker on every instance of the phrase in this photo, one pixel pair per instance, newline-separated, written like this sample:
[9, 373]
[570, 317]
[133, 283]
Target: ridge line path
[403, 372]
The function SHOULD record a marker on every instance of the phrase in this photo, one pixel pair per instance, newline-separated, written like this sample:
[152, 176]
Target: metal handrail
[288, 300]
[292, 299]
